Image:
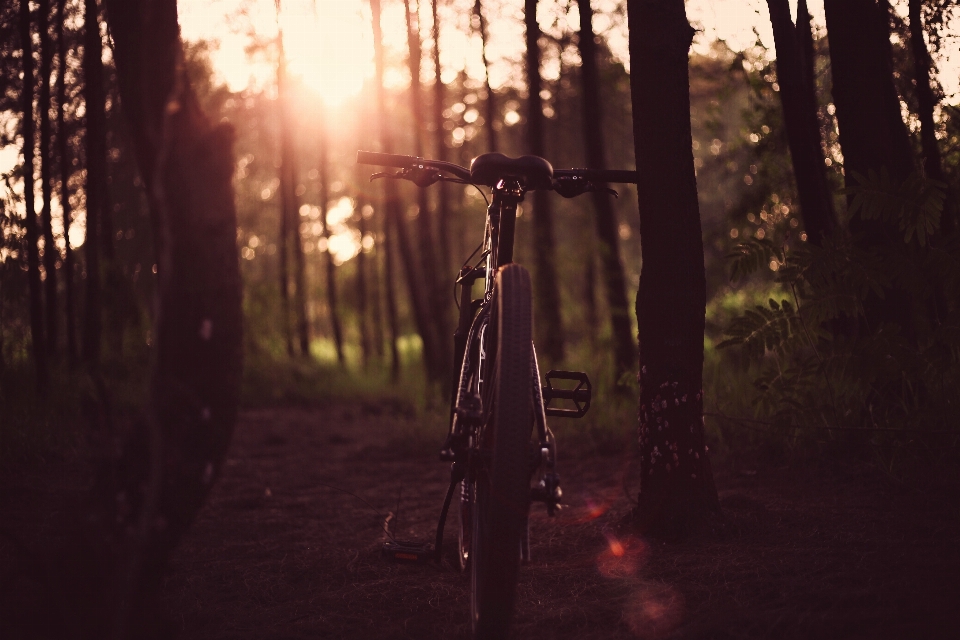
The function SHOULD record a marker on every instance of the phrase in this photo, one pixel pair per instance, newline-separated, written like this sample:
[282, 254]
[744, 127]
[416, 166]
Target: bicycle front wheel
[502, 489]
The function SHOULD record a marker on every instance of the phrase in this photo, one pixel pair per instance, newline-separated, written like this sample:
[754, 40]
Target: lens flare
[621, 558]
[654, 611]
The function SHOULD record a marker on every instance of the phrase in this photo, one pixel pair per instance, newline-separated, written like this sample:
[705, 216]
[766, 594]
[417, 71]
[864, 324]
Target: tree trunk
[872, 133]
[873, 136]
[803, 133]
[63, 151]
[443, 193]
[33, 252]
[546, 282]
[677, 494]
[144, 502]
[395, 224]
[51, 255]
[925, 103]
[437, 312]
[361, 283]
[96, 191]
[328, 255]
[625, 347]
[290, 214]
[491, 98]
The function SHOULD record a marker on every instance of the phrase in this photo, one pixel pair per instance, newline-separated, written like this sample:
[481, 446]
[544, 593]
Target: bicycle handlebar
[411, 162]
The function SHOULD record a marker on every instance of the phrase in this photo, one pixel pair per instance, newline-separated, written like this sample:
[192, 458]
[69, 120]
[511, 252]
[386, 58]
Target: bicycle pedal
[408, 552]
[580, 395]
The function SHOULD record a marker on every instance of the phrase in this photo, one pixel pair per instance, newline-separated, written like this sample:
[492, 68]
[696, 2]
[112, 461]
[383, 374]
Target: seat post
[507, 194]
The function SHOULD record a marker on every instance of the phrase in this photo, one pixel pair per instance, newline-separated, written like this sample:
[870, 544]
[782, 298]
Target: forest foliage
[811, 355]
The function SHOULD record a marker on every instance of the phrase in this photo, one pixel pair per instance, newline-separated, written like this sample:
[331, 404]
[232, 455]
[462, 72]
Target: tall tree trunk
[361, 283]
[96, 190]
[547, 285]
[799, 115]
[328, 254]
[51, 255]
[33, 252]
[443, 193]
[677, 494]
[286, 220]
[872, 132]
[144, 501]
[290, 202]
[925, 103]
[491, 101]
[437, 312]
[873, 136]
[395, 224]
[625, 348]
[63, 151]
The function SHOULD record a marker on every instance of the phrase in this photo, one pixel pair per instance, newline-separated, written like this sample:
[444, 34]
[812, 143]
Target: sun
[328, 43]
[329, 46]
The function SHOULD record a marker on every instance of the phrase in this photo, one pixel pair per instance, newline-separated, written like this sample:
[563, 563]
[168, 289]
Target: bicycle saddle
[489, 168]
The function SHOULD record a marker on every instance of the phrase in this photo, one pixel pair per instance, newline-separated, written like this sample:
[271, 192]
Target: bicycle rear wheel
[502, 482]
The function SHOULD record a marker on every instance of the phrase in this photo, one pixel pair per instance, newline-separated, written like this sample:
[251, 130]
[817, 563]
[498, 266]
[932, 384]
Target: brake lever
[420, 177]
[574, 186]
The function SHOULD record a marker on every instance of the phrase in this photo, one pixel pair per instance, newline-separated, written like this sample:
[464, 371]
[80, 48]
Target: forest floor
[279, 551]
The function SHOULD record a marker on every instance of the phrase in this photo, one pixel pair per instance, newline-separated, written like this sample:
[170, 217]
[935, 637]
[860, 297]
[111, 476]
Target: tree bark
[145, 501]
[361, 284]
[283, 244]
[395, 224]
[290, 216]
[443, 193]
[677, 494]
[491, 101]
[872, 132]
[437, 312]
[546, 281]
[625, 347]
[328, 255]
[33, 251]
[873, 136]
[51, 254]
[803, 133]
[63, 151]
[96, 191]
[926, 101]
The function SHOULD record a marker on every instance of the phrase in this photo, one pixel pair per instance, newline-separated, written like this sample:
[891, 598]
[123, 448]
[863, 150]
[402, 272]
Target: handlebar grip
[386, 159]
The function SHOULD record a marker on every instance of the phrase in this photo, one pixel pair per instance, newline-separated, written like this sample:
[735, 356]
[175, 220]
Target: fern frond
[763, 329]
[751, 255]
[914, 207]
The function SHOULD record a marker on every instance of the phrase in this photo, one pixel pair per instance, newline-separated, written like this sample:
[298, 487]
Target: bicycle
[497, 398]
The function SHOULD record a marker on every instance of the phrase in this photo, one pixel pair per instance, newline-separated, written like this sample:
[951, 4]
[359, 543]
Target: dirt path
[278, 553]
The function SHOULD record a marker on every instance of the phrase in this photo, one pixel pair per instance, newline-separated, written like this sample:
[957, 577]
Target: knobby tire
[502, 495]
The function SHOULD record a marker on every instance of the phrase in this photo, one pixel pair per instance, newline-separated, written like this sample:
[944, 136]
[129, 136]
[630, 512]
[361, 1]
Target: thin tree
[677, 494]
[30, 221]
[803, 132]
[926, 101]
[491, 101]
[51, 255]
[363, 323]
[625, 349]
[394, 227]
[96, 188]
[437, 314]
[547, 285]
[443, 193]
[325, 233]
[65, 160]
